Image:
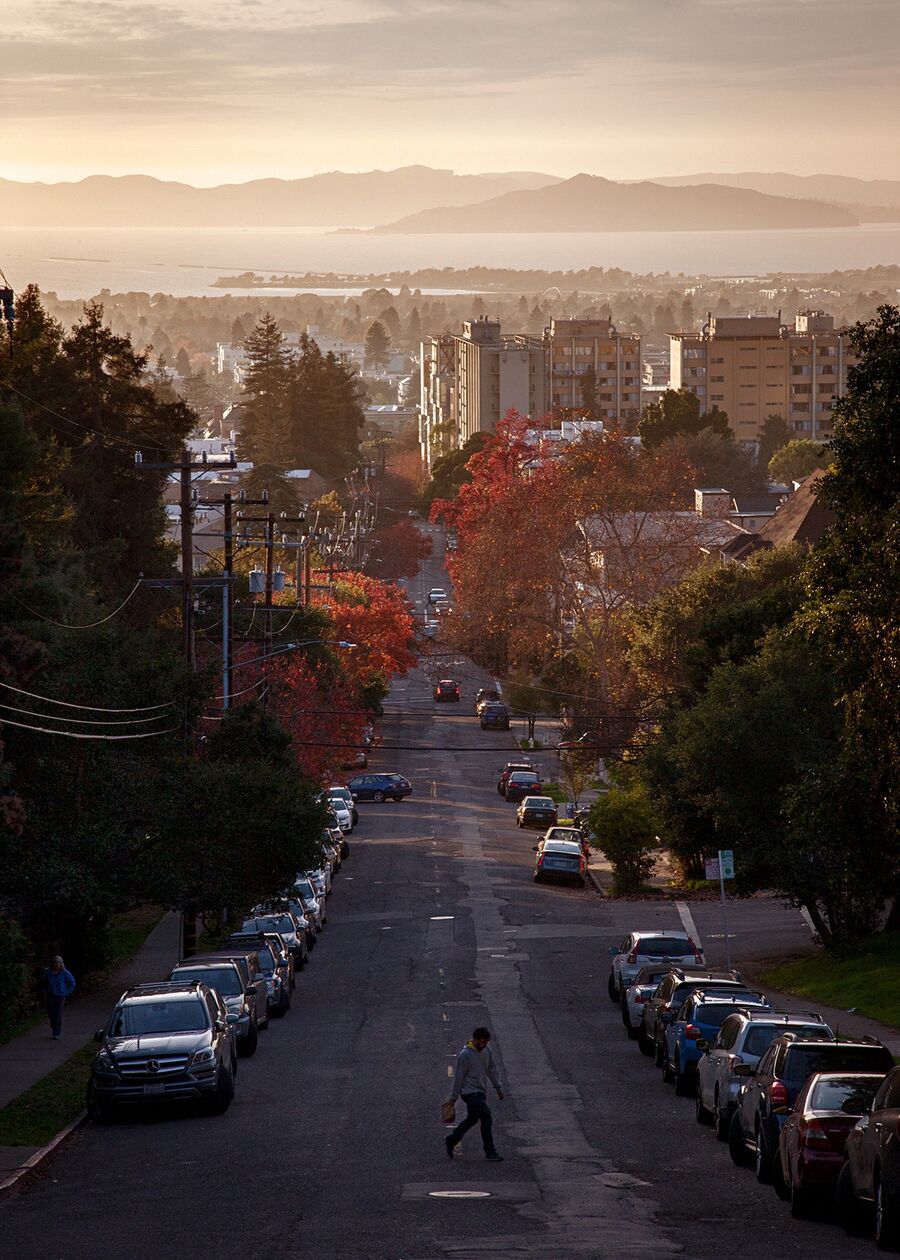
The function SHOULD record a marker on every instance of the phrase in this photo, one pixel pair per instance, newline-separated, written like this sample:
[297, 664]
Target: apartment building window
[717, 360]
[717, 397]
[718, 380]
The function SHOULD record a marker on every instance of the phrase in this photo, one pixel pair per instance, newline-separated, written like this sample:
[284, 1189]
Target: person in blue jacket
[59, 984]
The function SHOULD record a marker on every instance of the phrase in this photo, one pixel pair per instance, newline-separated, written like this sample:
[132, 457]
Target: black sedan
[495, 717]
[536, 811]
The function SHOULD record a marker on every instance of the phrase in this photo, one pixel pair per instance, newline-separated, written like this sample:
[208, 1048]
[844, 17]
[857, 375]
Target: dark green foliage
[796, 460]
[678, 412]
[776, 432]
[449, 472]
[624, 829]
[378, 344]
[718, 460]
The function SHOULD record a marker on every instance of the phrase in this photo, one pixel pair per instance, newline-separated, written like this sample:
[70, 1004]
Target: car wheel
[247, 1047]
[762, 1164]
[668, 1073]
[721, 1122]
[378, 796]
[659, 1053]
[801, 1200]
[398, 799]
[887, 1219]
[704, 1116]
[684, 1084]
[849, 1210]
[645, 1045]
[612, 988]
[737, 1147]
[99, 1112]
[219, 1102]
[284, 1005]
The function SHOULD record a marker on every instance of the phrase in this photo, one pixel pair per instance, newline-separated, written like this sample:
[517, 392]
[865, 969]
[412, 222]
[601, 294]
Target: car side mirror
[220, 1025]
[780, 1111]
[354, 796]
[232, 1017]
[99, 1034]
[613, 952]
[744, 1069]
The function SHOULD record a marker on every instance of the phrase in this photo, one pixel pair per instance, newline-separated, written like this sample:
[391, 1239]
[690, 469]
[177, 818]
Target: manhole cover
[459, 1194]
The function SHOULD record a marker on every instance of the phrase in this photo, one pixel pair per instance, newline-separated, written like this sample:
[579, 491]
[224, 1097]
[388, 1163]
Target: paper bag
[448, 1111]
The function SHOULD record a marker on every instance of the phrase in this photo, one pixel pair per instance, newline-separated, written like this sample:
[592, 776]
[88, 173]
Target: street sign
[712, 868]
[726, 864]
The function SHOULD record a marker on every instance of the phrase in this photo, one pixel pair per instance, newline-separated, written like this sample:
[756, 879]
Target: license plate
[154, 1091]
[560, 864]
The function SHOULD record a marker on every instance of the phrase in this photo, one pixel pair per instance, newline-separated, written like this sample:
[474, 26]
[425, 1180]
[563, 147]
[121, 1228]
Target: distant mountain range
[333, 199]
[418, 199]
[588, 203]
[843, 189]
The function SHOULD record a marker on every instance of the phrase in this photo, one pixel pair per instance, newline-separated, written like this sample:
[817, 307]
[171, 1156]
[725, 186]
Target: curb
[8, 1185]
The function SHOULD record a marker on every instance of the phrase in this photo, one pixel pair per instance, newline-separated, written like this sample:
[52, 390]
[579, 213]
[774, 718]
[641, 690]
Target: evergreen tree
[182, 363]
[378, 343]
[589, 402]
[265, 436]
[776, 432]
[414, 329]
[238, 331]
[391, 321]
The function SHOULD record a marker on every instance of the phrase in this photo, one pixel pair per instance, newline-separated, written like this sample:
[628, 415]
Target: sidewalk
[27, 1059]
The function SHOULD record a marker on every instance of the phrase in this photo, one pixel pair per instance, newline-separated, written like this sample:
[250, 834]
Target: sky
[215, 91]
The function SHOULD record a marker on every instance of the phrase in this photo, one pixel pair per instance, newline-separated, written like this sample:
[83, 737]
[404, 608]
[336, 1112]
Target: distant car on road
[641, 989]
[508, 770]
[560, 859]
[436, 593]
[537, 811]
[667, 1000]
[380, 787]
[358, 761]
[446, 689]
[643, 949]
[522, 783]
[494, 717]
[486, 695]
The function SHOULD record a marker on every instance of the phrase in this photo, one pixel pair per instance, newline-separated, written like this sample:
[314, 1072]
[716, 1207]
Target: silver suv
[240, 1000]
[167, 1041]
[643, 949]
[743, 1038]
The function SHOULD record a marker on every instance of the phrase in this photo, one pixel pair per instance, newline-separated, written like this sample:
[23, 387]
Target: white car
[341, 812]
[437, 593]
[638, 992]
[642, 949]
[321, 878]
[338, 793]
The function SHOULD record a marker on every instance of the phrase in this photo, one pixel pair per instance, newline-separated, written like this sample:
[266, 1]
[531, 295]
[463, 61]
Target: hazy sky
[209, 91]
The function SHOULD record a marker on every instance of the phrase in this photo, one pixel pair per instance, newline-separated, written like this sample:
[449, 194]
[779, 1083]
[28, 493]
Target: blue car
[699, 1019]
[380, 787]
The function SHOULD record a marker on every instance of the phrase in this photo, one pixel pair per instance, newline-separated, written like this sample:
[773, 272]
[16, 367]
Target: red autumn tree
[399, 550]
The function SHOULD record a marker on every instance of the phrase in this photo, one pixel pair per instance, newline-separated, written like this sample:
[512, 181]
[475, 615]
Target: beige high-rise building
[573, 346]
[437, 397]
[752, 367]
[494, 374]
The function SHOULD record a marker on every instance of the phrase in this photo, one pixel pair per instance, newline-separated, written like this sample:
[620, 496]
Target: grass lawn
[868, 978]
[36, 1116]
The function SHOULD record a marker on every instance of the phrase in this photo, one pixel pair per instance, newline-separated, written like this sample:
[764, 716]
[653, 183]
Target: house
[799, 518]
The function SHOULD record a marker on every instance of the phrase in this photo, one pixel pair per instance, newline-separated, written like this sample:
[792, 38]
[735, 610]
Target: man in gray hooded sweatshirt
[474, 1068]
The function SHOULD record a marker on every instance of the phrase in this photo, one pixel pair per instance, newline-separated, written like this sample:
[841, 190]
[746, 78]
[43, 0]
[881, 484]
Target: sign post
[725, 864]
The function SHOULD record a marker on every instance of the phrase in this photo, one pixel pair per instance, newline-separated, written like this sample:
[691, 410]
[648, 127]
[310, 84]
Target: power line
[88, 708]
[64, 625]
[77, 424]
[43, 730]
[51, 717]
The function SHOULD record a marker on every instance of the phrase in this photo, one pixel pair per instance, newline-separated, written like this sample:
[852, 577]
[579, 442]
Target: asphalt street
[334, 1147]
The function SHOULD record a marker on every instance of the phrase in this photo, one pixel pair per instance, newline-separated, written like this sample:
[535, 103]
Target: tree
[182, 363]
[623, 828]
[796, 460]
[325, 411]
[589, 400]
[678, 412]
[265, 436]
[776, 432]
[450, 471]
[401, 549]
[526, 698]
[414, 329]
[391, 321]
[378, 343]
[717, 460]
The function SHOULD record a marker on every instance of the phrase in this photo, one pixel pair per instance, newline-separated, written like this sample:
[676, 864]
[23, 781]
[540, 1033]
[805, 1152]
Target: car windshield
[224, 979]
[145, 1018]
[278, 923]
[522, 776]
[341, 794]
[713, 1014]
[852, 1095]
[803, 1061]
[265, 956]
[665, 946]
[537, 802]
[761, 1036]
[305, 889]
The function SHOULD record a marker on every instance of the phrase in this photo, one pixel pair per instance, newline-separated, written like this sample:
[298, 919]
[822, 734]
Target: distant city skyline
[215, 91]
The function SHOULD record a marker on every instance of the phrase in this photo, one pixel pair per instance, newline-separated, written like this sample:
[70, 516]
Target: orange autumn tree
[377, 618]
[399, 549]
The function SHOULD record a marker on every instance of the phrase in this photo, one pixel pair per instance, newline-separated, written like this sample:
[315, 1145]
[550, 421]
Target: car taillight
[778, 1095]
[540, 860]
[640, 999]
[812, 1133]
[692, 1032]
[698, 953]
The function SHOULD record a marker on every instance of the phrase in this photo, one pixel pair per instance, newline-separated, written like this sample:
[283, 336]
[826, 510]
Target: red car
[447, 689]
[813, 1137]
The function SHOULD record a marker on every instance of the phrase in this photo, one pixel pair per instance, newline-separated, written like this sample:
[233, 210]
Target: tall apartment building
[437, 397]
[753, 367]
[496, 373]
[573, 345]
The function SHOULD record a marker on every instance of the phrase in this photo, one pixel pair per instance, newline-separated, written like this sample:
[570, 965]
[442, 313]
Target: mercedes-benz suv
[166, 1041]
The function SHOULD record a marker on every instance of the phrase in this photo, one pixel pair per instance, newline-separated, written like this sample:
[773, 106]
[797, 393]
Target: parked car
[814, 1136]
[536, 811]
[743, 1038]
[321, 879]
[641, 989]
[643, 949]
[494, 717]
[868, 1188]
[343, 814]
[378, 787]
[678, 984]
[164, 1042]
[522, 783]
[768, 1092]
[313, 903]
[486, 695]
[436, 593]
[247, 962]
[575, 834]
[447, 689]
[559, 859]
[275, 964]
[699, 1019]
[508, 770]
[344, 794]
[358, 761]
[239, 998]
[288, 928]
